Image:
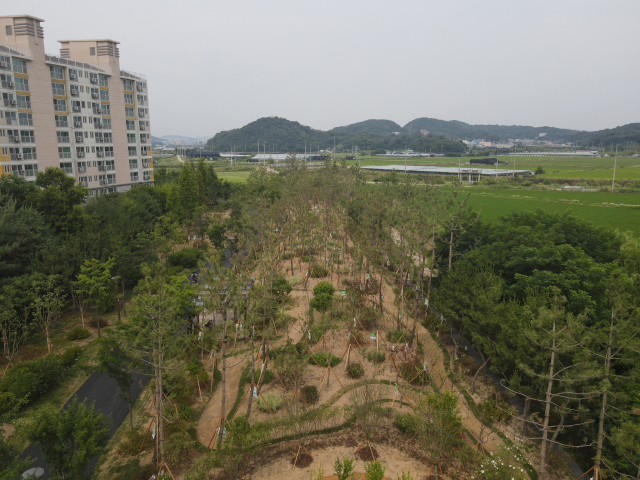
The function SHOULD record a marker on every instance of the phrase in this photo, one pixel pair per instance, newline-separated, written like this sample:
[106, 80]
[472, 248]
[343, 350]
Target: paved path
[101, 391]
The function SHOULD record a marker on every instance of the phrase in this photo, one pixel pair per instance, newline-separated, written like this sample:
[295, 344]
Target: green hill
[452, 129]
[384, 127]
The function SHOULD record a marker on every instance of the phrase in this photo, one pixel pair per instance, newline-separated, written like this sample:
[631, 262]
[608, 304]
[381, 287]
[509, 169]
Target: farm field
[234, 176]
[617, 211]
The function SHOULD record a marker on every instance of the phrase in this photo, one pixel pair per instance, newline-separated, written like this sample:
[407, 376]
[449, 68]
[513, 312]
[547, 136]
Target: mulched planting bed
[304, 460]
[364, 454]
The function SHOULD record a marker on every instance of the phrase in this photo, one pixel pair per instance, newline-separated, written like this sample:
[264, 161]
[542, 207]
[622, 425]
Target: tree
[48, 304]
[70, 439]
[185, 194]
[95, 280]
[626, 440]
[16, 312]
[10, 465]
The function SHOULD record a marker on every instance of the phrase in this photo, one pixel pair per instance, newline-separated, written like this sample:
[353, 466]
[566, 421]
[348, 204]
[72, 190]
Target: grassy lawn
[234, 176]
[617, 210]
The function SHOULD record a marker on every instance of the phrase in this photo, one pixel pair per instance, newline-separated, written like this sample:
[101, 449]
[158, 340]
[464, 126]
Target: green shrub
[406, 422]
[374, 470]
[321, 359]
[394, 336]
[132, 443]
[305, 258]
[376, 357]
[295, 280]
[69, 357]
[324, 288]
[273, 399]
[310, 394]
[318, 271]
[355, 370]
[281, 288]
[175, 270]
[31, 380]
[78, 333]
[178, 446]
[187, 257]
[321, 302]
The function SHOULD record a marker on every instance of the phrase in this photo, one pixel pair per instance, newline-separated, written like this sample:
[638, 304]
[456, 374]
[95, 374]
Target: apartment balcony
[11, 121]
[30, 173]
[16, 157]
[146, 177]
[10, 103]
[26, 122]
[57, 76]
[60, 124]
[26, 104]
[84, 184]
[28, 139]
[111, 181]
[64, 155]
[131, 127]
[68, 170]
[7, 84]
[58, 108]
[30, 156]
[64, 139]
[108, 154]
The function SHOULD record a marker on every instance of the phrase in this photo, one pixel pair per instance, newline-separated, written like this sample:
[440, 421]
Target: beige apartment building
[78, 110]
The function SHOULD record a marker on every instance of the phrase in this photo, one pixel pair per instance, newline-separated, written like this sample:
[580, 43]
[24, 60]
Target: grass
[234, 176]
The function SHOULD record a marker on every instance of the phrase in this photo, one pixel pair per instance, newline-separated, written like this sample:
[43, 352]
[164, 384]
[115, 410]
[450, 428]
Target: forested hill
[282, 135]
[384, 127]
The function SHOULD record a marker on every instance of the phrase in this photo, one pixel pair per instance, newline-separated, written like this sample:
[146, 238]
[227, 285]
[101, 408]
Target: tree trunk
[603, 410]
[542, 471]
[525, 417]
[560, 425]
[473, 384]
[253, 378]
[48, 335]
[451, 248]
[224, 375]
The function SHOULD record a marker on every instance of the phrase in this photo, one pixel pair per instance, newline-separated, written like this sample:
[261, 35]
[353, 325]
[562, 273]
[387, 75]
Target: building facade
[78, 111]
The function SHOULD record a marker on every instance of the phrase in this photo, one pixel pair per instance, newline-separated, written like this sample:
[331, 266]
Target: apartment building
[78, 110]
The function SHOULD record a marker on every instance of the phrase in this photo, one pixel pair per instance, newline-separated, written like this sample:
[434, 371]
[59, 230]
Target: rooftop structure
[465, 173]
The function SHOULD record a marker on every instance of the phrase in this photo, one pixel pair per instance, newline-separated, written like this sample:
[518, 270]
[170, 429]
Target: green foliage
[70, 356]
[343, 467]
[29, 381]
[132, 442]
[394, 335]
[305, 258]
[374, 470]
[540, 170]
[318, 271]
[321, 302]
[405, 475]
[270, 401]
[310, 394]
[132, 470]
[355, 370]
[374, 356]
[503, 465]
[178, 446]
[217, 235]
[10, 465]
[324, 288]
[406, 422]
[321, 359]
[95, 279]
[187, 257]
[440, 425]
[78, 333]
[69, 439]
[173, 271]
[281, 288]
[186, 194]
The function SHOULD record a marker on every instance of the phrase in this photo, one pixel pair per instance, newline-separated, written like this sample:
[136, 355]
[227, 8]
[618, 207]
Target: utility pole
[615, 162]
[405, 158]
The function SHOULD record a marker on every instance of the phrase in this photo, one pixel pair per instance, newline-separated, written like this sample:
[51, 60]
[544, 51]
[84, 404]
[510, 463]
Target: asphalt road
[101, 391]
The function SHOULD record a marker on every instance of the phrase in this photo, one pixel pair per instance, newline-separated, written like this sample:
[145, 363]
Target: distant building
[484, 161]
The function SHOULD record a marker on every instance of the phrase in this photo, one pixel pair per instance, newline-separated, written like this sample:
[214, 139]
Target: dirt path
[211, 416]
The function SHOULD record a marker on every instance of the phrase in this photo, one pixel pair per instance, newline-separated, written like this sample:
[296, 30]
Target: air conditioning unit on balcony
[14, 102]
[141, 114]
[143, 127]
[139, 87]
[98, 111]
[74, 92]
[73, 76]
[82, 169]
[16, 138]
[97, 125]
[79, 138]
[94, 95]
[20, 172]
[100, 154]
[77, 124]
[143, 139]
[145, 165]
[103, 182]
[146, 177]
[80, 155]
[76, 108]
[4, 64]
[10, 84]
[18, 156]
[94, 80]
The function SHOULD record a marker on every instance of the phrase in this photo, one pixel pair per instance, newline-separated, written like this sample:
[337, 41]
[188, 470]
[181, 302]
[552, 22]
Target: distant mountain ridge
[421, 134]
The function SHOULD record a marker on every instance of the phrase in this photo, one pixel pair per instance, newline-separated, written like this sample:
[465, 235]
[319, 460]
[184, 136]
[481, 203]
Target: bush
[178, 446]
[175, 270]
[310, 394]
[130, 445]
[78, 333]
[272, 399]
[374, 470]
[406, 422]
[31, 380]
[321, 302]
[394, 336]
[324, 288]
[318, 271]
[281, 288]
[356, 338]
[413, 371]
[355, 370]
[187, 257]
[69, 357]
[375, 357]
[305, 258]
[321, 359]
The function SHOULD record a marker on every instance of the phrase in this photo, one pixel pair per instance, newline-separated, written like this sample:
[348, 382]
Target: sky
[216, 65]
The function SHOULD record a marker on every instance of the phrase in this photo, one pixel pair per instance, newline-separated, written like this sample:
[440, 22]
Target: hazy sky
[216, 65]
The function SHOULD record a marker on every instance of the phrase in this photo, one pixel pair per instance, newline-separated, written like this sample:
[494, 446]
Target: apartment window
[131, 137]
[8, 30]
[80, 154]
[77, 122]
[63, 137]
[108, 137]
[129, 111]
[96, 108]
[58, 89]
[131, 125]
[141, 112]
[104, 81]
[99, 138]
[24, 101]
[133, 151]
[93, 77]
[22, 84]
[76, 105]
[134, 176]
[94, 93]
[104, 95]
[64, 152]
[111, 178]
[29, 153]
[26, 119]
[140, 86]
[106, 109]
[30, 170]
[144, 151]
[128, 85]
[84, 181]
[73, 74]
[11, 118]
[62, 121]
[27, 136]
[67, 167]
[56, 72]
[106, 123]
[133, 164]
[59, 105]
[108, 152]
[19, 66]
[141, 99]
[128, 98]
[92, 51]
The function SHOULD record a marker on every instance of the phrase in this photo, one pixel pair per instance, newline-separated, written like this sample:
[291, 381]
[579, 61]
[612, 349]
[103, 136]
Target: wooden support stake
[145, 436]
[164, 464]
[199, 390]
[586, 473]
[336, 375]
[297, 454]
[322, 381]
